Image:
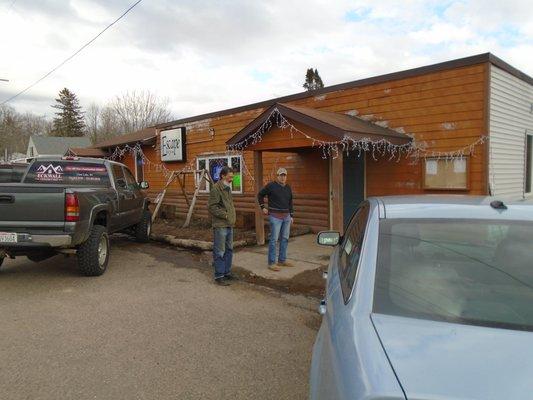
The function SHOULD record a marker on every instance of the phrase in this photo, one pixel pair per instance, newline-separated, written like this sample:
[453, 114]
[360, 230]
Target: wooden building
[465, 126]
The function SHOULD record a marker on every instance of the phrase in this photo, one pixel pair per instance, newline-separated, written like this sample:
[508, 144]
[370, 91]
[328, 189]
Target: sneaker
[230, 277]
[274, 267]
[285, 264]
[222, 282]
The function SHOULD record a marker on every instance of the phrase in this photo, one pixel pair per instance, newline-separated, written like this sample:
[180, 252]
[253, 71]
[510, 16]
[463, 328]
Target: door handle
[6, 198]
[322, 307]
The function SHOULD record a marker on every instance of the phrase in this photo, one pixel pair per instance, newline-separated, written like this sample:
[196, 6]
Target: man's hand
[292, 220]
[265, 211]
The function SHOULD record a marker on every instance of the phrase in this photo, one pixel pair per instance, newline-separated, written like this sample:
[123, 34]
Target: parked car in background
[70, 205]
[428, 297]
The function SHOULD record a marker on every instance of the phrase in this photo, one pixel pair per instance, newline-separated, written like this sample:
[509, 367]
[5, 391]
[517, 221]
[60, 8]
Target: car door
[338, 323]
[135, 204]
[123, 218]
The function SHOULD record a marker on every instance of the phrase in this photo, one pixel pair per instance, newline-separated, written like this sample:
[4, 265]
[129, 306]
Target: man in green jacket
[222, 213]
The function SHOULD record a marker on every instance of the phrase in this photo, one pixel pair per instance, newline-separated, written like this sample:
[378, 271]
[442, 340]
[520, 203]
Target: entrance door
[353, 183]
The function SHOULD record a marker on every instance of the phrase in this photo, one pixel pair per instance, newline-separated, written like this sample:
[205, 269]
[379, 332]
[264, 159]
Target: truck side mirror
[144, 185]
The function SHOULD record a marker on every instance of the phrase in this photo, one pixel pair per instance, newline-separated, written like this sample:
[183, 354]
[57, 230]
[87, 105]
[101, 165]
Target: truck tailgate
[20, 203]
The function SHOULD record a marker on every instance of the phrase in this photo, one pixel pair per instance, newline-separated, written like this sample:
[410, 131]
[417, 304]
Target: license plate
[8, 237]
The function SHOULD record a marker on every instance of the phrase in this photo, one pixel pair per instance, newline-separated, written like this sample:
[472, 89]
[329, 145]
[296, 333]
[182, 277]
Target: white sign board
[173, 145]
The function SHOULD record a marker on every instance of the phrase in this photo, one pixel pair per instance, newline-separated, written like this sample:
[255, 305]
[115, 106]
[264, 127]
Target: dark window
[351, 250]
[67, 173]
[139, 166]
[118, 176]
[464, 271]
[130, 180]
[529, 154]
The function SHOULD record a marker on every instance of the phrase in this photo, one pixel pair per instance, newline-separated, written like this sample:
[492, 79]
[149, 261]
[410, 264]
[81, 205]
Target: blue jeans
[280, 229]
[222, 251]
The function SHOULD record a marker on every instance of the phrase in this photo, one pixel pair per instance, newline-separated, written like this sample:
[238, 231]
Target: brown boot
[285, 264]
[274, 267]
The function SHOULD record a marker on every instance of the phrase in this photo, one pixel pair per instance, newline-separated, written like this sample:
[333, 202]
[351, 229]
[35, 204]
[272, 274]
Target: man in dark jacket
[280, 212]
[222, 211]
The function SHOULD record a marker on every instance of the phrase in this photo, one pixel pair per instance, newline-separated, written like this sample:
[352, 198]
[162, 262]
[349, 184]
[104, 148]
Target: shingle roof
[52, 145]
[334, 124]
[138, 136]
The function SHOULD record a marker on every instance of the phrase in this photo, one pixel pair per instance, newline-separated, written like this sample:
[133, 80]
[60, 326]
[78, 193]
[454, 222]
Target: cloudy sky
[206, 55]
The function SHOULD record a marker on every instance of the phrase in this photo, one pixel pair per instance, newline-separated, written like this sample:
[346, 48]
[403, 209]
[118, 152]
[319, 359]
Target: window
[351, 251]
[214, 164]
[529, 154]
[67, 173]
[130, 180]
[139, 166]
[118, 176]
[464, 271]
[446, 174]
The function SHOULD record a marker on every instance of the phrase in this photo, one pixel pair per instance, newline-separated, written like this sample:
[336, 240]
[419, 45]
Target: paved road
[150, 328]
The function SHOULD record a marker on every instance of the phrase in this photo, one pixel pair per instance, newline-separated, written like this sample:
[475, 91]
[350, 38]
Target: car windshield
[466, 271]
[68, 173]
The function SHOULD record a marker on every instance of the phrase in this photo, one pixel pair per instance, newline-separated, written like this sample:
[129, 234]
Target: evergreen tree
[313, 81]
[69, 120]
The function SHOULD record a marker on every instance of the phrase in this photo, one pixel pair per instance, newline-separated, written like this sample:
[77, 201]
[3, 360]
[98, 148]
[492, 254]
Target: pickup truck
[71, 205]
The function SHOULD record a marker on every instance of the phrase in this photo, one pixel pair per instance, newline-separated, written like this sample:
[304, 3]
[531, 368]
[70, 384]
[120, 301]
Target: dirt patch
[201, 230]
[197, 230]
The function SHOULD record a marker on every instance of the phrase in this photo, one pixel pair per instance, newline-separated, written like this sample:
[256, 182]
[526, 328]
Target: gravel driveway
[153, 327]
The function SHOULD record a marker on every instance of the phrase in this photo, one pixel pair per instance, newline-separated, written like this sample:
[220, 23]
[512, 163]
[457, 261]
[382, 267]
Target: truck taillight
[72, 208]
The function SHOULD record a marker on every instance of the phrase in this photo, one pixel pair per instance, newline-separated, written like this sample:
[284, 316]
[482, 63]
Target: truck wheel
[93, 254]
[144, 228]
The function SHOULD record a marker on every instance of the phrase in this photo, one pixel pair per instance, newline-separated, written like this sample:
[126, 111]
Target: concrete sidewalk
[303, 253]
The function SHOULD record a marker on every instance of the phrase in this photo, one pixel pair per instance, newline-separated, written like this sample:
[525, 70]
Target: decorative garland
[348, 144]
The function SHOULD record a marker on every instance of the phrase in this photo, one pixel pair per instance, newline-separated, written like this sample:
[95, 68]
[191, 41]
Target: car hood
[439, 360]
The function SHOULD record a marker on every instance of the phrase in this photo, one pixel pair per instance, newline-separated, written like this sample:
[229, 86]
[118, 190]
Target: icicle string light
[349, 144]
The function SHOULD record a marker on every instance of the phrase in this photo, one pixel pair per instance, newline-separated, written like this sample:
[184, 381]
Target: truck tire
[93, 254]
[143, 229]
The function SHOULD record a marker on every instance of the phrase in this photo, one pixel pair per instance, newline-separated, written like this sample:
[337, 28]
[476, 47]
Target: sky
[207, 55]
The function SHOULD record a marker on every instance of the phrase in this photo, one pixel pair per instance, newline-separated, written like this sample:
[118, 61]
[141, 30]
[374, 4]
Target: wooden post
[162, 196]
[337, 195]
[182, 186]
[258, 179]
[191, 207]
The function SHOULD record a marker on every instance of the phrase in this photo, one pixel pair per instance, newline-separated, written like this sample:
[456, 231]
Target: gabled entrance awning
[337, 126]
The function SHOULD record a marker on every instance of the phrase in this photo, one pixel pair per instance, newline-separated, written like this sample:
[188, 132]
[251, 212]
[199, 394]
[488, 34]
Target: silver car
[428, 297]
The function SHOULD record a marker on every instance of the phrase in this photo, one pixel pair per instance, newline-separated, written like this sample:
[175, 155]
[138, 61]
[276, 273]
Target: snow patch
[320, 98]
[400, 129]
[387, 91]
[352, 113]
[368, 117]
[384, 124]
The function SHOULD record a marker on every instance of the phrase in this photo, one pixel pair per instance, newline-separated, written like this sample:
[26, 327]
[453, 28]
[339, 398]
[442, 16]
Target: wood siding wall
[444, 110]
[511, 116]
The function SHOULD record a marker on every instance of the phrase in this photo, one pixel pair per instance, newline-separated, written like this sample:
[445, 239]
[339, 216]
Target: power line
[72, 56]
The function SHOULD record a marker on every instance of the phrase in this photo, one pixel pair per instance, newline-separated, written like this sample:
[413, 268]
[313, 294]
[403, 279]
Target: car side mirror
[328, 238]
[144, 185]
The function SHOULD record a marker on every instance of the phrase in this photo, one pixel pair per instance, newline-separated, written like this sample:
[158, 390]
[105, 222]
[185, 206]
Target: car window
[130, 180]
[67, 173]
[118, 176]
[351, 250]
[476, 272]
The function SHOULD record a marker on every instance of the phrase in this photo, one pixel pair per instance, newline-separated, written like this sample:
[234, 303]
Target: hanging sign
[173, 145]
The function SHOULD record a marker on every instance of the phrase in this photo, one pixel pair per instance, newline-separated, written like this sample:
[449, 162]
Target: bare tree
[137, 110]
[16, 129]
